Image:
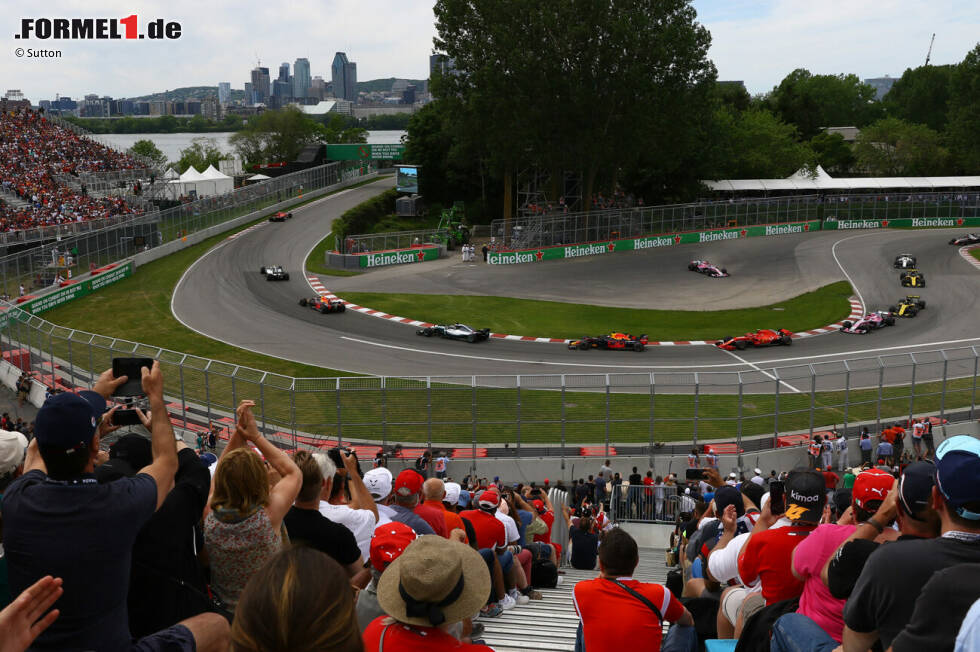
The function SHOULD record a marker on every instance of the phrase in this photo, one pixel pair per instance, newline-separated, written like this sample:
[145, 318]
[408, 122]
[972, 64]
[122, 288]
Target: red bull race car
[323, 305]
[613, 342]
[870, 322]
[762, 337]
[706, 268]
[281, 216]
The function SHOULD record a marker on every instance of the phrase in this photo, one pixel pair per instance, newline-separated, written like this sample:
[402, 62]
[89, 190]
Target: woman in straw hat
[435, 583]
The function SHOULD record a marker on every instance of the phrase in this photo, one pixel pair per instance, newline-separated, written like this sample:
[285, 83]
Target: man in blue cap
[59, 520]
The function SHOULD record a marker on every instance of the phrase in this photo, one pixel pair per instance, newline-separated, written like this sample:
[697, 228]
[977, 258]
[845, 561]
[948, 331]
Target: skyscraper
[224, 92]
[301, 79]
[344, 74]
[260, 85]
[283, 71]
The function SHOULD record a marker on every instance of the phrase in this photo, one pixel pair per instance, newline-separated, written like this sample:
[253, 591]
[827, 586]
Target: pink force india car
[870, 322]
[706, 268]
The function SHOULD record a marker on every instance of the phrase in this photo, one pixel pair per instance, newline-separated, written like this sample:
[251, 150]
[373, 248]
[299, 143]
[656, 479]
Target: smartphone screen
[777, 499]
[131, 368]
[696, 474]
[125, 418]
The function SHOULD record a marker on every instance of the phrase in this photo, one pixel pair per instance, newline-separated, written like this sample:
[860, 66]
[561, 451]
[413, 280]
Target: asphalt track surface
[224, 296]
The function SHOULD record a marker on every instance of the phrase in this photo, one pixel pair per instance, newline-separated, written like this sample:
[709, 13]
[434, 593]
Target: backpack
[544, 574]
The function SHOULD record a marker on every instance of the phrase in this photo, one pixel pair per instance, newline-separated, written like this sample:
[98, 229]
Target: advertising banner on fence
[900, 222]
[76, 290]
[398, 257]
[648, 242]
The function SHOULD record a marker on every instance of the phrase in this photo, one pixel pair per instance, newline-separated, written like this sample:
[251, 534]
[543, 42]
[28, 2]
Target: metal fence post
[292, 410]
[813, 396]
[518, 380]
[607, 415]
[697, 392]
[473, 423]
[738, 427]
[881, 384]
[847, 393]
[207, 390]
[563, 422]
[912, 388]
[976, 370]
[384, 412]
[262, 400]
[653, 394]
[183, 397]
[775, 406]
[942, 397]
[428, 408]
[340, 425]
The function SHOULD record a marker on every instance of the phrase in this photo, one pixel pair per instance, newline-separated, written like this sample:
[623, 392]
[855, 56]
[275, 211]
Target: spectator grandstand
[38, 160]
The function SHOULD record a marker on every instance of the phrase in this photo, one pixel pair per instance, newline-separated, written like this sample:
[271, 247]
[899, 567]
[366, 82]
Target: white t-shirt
[360, 522]
[723, 564]
[510, 527]
[759, 480]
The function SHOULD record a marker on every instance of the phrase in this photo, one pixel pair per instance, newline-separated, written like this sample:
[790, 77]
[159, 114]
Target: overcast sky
[758, 42]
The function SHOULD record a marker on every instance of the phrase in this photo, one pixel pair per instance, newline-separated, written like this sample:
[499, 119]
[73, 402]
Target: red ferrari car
[763, 337]
[281, 216]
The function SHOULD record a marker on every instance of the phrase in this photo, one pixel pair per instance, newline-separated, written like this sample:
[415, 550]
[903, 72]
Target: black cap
[728, 495]
[753, 492]
[806, 494]
[915, 487]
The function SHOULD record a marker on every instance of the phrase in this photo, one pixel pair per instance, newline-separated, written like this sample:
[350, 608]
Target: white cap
[378, 483]
[758, 471]
[13, 447]
[732, 475]
[452, 493]
[687, 491]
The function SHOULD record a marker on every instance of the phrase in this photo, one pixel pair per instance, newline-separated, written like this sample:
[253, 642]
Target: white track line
[764, 373]
[857, 291]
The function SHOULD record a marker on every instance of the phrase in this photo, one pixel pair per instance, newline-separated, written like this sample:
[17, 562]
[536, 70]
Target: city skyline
[759, 42]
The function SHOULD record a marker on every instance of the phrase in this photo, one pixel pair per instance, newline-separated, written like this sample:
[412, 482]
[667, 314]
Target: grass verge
[315, 262]
[815, 309]
[975, 253]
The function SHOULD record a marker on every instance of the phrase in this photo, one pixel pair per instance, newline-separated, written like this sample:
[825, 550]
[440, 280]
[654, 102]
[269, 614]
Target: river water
[171, 144]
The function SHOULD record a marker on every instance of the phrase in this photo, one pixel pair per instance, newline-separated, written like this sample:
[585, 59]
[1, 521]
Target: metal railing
[370, 242]
[534, 415]
[103, 241]
[656, 503]
[571, 228]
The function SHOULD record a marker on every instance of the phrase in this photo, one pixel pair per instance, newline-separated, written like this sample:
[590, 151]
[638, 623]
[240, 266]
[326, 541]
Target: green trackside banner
[648, 242]
[77, 290]
[914, 222]
[399, 257]
[365, 152]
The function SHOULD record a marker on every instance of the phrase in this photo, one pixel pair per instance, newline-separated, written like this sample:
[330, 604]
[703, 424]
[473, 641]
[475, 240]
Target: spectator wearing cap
[757, 477]
[359, 514]
[434, 584]
[618, 612]
[13, 450]
[491, 538]
[58, 520]
[767, 554]
[451, 504]
[883, 599]
[827, 452]
[710, 532]
[387, 544]
[379, 482]
[320, 613]
[307, 526]
[406, 496]
[840, 446]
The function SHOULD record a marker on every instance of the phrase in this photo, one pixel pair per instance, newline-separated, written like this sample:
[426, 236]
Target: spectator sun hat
[68, 421]
[408, 483]
[378, 483]
[806, 493]
[388, 542]
[13, 448]
[435, 581]
[453, 490]
[489, 500]
[871, 486]
[958, 479]
[915, 487]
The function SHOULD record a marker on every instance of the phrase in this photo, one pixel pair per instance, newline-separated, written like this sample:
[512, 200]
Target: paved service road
[224, 296]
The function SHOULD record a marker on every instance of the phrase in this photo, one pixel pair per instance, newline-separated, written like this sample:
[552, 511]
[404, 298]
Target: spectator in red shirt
[620, 613]
[767, 553]
[491, 537]
[434, 584]
[408, 484]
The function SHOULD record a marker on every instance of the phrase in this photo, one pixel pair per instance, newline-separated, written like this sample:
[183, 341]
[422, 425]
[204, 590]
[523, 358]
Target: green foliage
[389, 122]
[363, 217]
[733, 95]
[338, 129]
[921, 96]
[964, 114]
[165, 124]
[755, 144]
[147, 148]
[274, 136]
[201, 153]
[832, 152]
[893, 147]
[812, 102]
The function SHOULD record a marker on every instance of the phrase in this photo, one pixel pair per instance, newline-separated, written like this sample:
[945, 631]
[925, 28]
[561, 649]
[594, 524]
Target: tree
[148, 149]
[201, 153]
[832, 152]
[964, 114]
[921, 96]
[894, 148]
[275, 136]
[759, 145]
[334, 128]
[812, 102]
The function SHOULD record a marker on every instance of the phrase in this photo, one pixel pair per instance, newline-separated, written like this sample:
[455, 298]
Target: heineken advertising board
[77, 290]
[398, 257]
[648, 242]
[365, 152]
[914, 222]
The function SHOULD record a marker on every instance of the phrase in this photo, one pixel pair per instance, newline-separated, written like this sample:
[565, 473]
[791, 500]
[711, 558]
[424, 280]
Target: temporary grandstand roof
[819, 180]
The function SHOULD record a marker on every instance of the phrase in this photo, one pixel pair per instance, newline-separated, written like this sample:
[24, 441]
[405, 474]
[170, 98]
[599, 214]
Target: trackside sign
[647, 242]
[398, 257]
[77, 290]
[902, 222]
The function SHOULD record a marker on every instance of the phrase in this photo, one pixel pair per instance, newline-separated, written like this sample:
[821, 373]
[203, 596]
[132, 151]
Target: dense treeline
[164, 124]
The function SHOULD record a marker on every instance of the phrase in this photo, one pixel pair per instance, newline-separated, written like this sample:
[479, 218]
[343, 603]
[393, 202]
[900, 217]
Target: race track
[224, 297]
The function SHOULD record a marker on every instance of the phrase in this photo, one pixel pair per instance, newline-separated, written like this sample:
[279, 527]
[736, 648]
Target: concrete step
[12, 200]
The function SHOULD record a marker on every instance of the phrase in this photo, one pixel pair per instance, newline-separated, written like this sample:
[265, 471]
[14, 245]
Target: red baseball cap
[408, 483]
[388, 542]
[538, 505]
[871, 485]
[546, 481]
[489, 499]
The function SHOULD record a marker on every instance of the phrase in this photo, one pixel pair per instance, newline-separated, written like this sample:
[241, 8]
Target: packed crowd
[32, 152]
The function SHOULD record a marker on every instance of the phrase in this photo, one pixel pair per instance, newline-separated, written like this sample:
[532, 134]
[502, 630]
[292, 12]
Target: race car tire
[892, 308]
[889, 321]
[912, 312]
[289, 215]
[471, 338]
[741, 345]
[261, 270]
[724, 270]
[268, 278]
[285, 277]
[922, 284]
[691, 267]
[922, 304]
[427, 332]
[303, 302]
[342, 307]
[786, 340]
[583, 346]
[324, 310]
[638, 346]
[847, 324]
[953, 241]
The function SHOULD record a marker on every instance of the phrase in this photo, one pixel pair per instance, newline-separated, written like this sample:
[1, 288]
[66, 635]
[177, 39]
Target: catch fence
[371, 242]
[531, 415]
[654, 503]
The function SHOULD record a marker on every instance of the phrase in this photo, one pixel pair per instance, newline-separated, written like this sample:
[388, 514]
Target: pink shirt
[809, 559]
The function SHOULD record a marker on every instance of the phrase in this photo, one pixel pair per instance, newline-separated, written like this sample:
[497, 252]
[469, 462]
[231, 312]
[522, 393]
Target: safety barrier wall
[640, 414]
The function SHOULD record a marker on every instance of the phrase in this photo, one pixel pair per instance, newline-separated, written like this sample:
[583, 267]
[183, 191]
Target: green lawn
[975, 253]
[571, 320]
[315, 261]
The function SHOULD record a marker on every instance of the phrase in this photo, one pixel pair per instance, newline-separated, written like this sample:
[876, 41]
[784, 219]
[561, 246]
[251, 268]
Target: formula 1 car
[613, 341]
[904, 261]
[970, 238]
[324, 305]
[274, 273]
[870, 322]
[908, 307]
[706, 268]
[455, 332]
[280, 217]
[762, 337]
[912, 278]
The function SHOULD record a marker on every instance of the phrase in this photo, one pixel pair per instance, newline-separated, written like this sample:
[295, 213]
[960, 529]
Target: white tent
[815, 181]
[170, 174]
[191, 174]
[213, 183]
